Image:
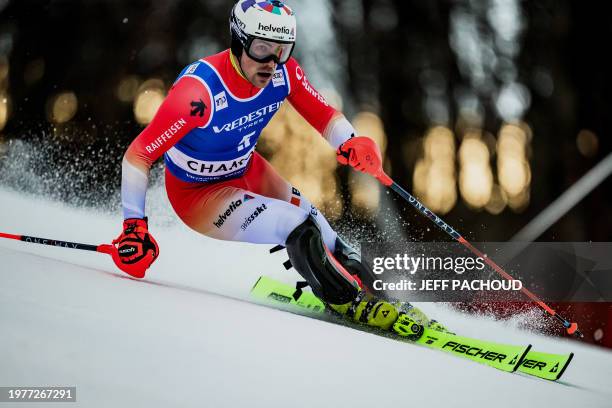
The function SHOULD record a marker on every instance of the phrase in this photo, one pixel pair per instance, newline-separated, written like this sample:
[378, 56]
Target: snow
[187, 336]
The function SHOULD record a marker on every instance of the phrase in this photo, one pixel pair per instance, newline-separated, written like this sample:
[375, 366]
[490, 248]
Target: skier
[207, 129]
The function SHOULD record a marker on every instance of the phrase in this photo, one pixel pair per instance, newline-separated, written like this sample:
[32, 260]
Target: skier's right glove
[136, 248]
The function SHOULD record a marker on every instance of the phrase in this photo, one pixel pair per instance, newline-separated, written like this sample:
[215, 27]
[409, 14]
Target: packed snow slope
[187, 336]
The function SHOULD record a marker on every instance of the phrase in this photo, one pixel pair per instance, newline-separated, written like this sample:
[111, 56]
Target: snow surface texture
[185, 337]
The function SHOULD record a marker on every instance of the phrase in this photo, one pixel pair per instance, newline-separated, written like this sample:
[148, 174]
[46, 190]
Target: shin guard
[328, 279]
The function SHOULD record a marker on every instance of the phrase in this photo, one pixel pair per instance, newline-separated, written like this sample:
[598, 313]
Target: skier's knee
[311, 258]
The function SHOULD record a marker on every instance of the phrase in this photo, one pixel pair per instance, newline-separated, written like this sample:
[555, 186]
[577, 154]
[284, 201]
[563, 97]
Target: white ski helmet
[265, 29]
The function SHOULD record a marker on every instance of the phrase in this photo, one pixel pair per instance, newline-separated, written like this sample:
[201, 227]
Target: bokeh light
[475, 174]
[434, 175]
[498, 200]
[587, 143]
[3, 110]
[304, 158]
[62, 107]
[149, 97]
[365, 190]
[513, 170]
[128, 88]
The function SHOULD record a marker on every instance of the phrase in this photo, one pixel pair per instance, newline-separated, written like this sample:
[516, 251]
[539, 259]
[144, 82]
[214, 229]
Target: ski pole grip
[105, 249]
[384, 178]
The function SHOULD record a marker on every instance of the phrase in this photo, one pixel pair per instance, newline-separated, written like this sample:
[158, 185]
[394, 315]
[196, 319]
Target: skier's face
[258, 73]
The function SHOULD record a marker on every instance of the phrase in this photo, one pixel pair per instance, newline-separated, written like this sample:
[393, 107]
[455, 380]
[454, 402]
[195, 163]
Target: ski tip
[520, 360]
[567, 363]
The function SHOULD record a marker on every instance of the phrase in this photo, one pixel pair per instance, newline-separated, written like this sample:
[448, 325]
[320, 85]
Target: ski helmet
[265, 29]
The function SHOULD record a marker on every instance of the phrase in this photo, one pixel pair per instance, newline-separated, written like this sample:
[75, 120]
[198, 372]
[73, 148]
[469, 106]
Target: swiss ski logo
[220, 101]
[253, 217]
[248, 197]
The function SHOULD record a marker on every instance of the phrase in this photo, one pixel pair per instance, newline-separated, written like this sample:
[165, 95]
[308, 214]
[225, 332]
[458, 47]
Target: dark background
[390, 48]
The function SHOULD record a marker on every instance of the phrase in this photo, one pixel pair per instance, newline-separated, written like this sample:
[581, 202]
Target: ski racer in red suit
[207, 129]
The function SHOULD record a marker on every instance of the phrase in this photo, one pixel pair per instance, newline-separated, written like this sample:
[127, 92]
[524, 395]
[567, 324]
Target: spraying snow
[186, 337]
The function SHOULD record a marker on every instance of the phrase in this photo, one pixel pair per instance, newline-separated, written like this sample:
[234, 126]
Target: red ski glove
[136, 249]
[361, 153]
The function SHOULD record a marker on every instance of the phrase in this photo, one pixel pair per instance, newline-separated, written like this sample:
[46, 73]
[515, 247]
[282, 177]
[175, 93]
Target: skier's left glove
[361, 153]
[136, 248]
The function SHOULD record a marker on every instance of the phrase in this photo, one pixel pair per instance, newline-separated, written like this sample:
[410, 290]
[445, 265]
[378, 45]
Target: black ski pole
[103, 248]
[570, 327]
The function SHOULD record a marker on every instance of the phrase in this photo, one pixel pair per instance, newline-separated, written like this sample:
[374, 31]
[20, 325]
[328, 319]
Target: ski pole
[103, 248]
[571, 327]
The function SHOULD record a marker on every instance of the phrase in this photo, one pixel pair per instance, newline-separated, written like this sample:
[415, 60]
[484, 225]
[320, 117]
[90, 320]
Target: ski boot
[351, 260]
[405, 326]
[421, 318]
[369, 310]
[335, 280]
[380, 314]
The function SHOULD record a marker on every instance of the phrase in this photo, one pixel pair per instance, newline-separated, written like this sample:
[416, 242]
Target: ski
[504, 357]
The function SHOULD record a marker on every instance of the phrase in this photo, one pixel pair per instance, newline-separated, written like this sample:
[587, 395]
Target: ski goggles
[263, 51]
